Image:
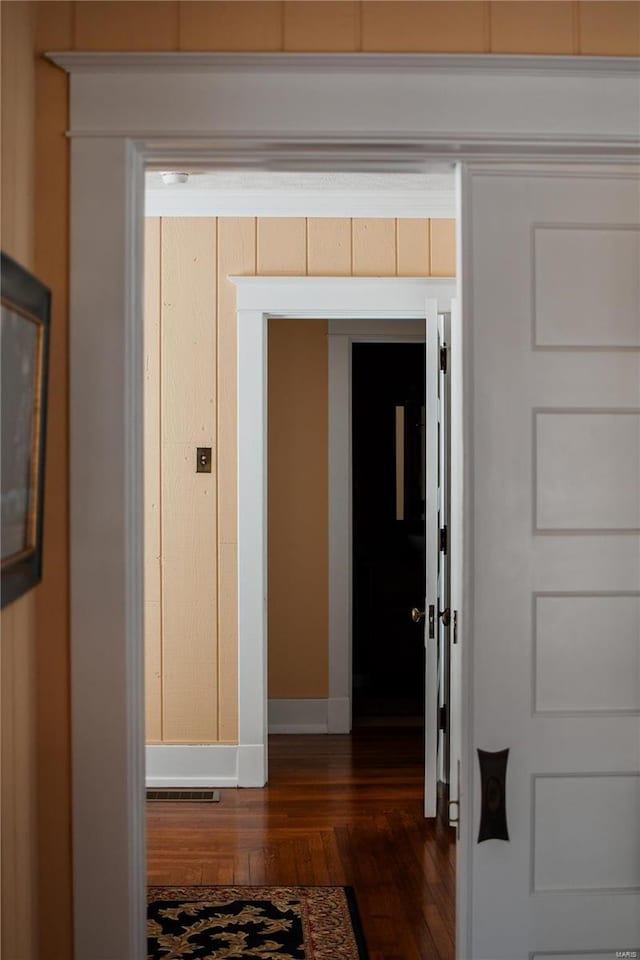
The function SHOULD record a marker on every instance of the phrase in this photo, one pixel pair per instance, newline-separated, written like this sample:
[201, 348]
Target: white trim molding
[191, 765]
[406, 205]
[342, 298]
[356, 111]
[358, 302]
[207, 111]
[252, 193]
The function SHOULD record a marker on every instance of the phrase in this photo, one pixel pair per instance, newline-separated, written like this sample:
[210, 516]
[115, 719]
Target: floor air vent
[196, 795]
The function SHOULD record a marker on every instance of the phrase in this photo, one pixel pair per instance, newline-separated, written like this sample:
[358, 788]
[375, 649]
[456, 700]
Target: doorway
[395, 300]
[512, 112]
[388, 389]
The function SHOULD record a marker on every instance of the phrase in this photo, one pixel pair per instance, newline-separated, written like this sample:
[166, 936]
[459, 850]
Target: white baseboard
[252, 765]
[244, 765]
[339, 715]
[310, 716]
[191, 765]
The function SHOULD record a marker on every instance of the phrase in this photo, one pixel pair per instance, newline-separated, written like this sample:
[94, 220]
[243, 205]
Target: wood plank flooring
[338, 809]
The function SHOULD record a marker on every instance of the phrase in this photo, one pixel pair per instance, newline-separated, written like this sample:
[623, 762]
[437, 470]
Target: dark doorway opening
[388, 390]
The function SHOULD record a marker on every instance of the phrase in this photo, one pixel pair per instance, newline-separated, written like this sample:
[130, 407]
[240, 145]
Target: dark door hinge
[442, 724]
[444, 539]
[443, 358]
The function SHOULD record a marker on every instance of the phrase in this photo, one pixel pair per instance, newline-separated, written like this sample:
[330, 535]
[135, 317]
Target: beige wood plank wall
[190, 397]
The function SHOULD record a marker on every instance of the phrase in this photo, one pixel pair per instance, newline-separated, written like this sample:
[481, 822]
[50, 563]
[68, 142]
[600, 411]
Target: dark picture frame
[24, 353]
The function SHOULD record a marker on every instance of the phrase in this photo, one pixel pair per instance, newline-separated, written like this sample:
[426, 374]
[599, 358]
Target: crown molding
[181, 62]
[356, 111]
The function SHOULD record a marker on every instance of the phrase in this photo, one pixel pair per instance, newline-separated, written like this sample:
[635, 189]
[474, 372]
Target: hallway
[338, 810]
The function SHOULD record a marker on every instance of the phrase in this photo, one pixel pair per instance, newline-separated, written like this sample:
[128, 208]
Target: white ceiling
[262, 193]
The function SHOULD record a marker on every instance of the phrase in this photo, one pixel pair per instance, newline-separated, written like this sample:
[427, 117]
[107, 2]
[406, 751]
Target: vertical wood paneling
[189, 522]
[609, 28]
[188, 331]
[443, 248]
[298, 515]
[329, 246]
[282, 246]
[152, 474]
[231, 25]
[126, 25]
[18, 130]
[54, 32]
[413, 248]
[423, 27]
[18, 697]
[19, 933]
[236, 256]
[374, 247]
[321, 25]
[228, 642]
[527, 26]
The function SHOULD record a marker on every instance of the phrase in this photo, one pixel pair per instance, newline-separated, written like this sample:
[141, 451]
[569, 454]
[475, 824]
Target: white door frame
[394, 300]
[342, 334]
[362, 112]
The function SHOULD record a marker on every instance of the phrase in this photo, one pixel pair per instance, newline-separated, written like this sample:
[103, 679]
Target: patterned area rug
[268, 923]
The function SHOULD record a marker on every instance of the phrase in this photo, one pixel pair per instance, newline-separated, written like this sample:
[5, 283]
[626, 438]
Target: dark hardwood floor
[338, 810]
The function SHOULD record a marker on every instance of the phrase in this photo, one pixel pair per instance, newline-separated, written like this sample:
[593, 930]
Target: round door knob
[417, 615]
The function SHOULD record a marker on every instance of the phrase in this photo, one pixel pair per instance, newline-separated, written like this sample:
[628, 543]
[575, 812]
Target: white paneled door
[550, 264]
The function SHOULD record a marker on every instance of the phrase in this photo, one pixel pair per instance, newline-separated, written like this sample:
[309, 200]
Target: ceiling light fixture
[174, 176]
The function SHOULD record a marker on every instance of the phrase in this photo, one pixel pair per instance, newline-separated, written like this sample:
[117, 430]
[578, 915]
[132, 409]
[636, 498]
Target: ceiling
[263, 193]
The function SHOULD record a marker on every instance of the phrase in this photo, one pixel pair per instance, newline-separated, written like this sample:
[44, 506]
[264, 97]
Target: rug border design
[180, 892]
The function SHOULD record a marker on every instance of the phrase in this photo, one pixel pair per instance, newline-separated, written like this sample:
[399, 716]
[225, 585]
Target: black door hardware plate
[493, 776]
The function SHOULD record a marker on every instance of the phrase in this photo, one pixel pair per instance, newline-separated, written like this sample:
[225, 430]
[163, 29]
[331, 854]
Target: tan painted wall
[606, 28]
[190, 383]
[18, 836]
[298, 509]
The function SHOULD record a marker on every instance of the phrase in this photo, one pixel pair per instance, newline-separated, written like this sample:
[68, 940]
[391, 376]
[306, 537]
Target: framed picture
[24, 352]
